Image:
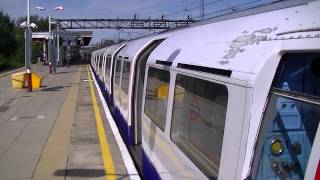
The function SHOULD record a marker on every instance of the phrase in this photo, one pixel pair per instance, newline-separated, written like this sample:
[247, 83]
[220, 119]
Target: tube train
[234, 97]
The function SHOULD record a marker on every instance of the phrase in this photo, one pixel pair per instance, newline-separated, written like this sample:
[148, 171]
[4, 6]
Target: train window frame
[107, 70]
[122, 72]
[162, 126]
[104, 67]
[206, 165]
[285, 98]
[117, 86]
[125, 105]
[267, 123]
[100, 65]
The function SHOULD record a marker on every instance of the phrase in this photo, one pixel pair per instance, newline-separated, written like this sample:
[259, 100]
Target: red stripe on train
[317, 177]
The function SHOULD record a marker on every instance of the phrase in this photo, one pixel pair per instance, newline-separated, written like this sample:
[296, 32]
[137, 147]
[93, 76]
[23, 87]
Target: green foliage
[12, 40]
[7, 34]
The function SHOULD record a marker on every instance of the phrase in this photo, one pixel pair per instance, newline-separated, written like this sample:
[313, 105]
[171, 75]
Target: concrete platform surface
[51, 133]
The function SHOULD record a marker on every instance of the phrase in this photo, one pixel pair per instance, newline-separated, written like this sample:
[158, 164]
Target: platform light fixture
[28, 39]
[58, 8]
[40, 8]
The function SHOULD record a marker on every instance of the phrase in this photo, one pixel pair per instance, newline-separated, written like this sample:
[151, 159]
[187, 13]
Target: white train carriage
[103, 63]
[96, 60]
[93, 59]
[234, 98]
[238, 68]
[100, 61]
[108, 71]
[125, 74]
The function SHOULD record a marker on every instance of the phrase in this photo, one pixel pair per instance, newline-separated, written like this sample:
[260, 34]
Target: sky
[171, 9]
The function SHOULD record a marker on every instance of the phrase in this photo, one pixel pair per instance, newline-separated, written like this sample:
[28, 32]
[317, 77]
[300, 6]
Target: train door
[291, 121]
[138, 95]
[113, 60]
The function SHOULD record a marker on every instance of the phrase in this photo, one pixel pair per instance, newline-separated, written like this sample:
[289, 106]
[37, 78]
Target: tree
[42, 26]
[7, 35]
[11, 43]
[12, 40]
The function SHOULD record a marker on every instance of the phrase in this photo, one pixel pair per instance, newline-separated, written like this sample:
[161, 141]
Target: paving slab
[26, 120]
[51, 133]
[17, 171]
[85, 157]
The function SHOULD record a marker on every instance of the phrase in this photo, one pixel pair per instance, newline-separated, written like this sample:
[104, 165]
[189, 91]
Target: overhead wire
[235, 8]
[232, 9]
[192, 8]
[156, 9]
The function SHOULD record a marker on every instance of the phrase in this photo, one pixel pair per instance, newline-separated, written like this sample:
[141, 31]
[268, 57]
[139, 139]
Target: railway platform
[60, 131]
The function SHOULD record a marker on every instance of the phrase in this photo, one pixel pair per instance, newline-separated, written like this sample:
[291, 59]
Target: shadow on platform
[80, 172]
[56, 88]
[88, 173]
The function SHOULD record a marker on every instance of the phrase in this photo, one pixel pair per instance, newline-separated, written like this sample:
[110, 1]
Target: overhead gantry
[122, 23]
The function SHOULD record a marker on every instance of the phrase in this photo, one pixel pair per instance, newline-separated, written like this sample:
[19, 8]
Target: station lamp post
[202, 9]
[27, 36]
[51, 69]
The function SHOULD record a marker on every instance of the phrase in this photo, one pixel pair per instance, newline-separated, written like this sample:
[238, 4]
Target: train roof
[135, 46]
[241, 44]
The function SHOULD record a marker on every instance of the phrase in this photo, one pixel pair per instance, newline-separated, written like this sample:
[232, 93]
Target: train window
[108, 64]
[117, 79]
[125, 77]
[100, 63]
[300, 71]
[290, 120]
[125, 84]
[157, 96]
[198, 119]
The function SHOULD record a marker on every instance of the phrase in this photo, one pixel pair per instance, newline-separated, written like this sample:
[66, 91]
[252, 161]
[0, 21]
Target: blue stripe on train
[125, 130]
[148, 170]
[122, 124]
[109, 99]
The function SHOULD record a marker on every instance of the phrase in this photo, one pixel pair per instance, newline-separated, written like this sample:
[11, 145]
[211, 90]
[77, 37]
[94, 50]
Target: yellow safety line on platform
[107, 157]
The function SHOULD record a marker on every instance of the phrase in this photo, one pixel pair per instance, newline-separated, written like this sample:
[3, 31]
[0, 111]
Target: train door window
[125, 84]
[290, 120]
[100, 63]
[156, 99]
[198, 120]
[117, 80]
[107, 68]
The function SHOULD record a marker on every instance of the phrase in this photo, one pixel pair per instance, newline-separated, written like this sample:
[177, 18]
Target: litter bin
[36, 80]
[18, 80]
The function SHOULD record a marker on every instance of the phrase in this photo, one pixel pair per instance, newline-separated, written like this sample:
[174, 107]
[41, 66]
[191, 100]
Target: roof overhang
[67, 35]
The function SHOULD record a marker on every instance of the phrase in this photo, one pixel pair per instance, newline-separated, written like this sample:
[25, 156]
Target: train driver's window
[125, 84]
[291, 119]
[198, 120]
[157, 96]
